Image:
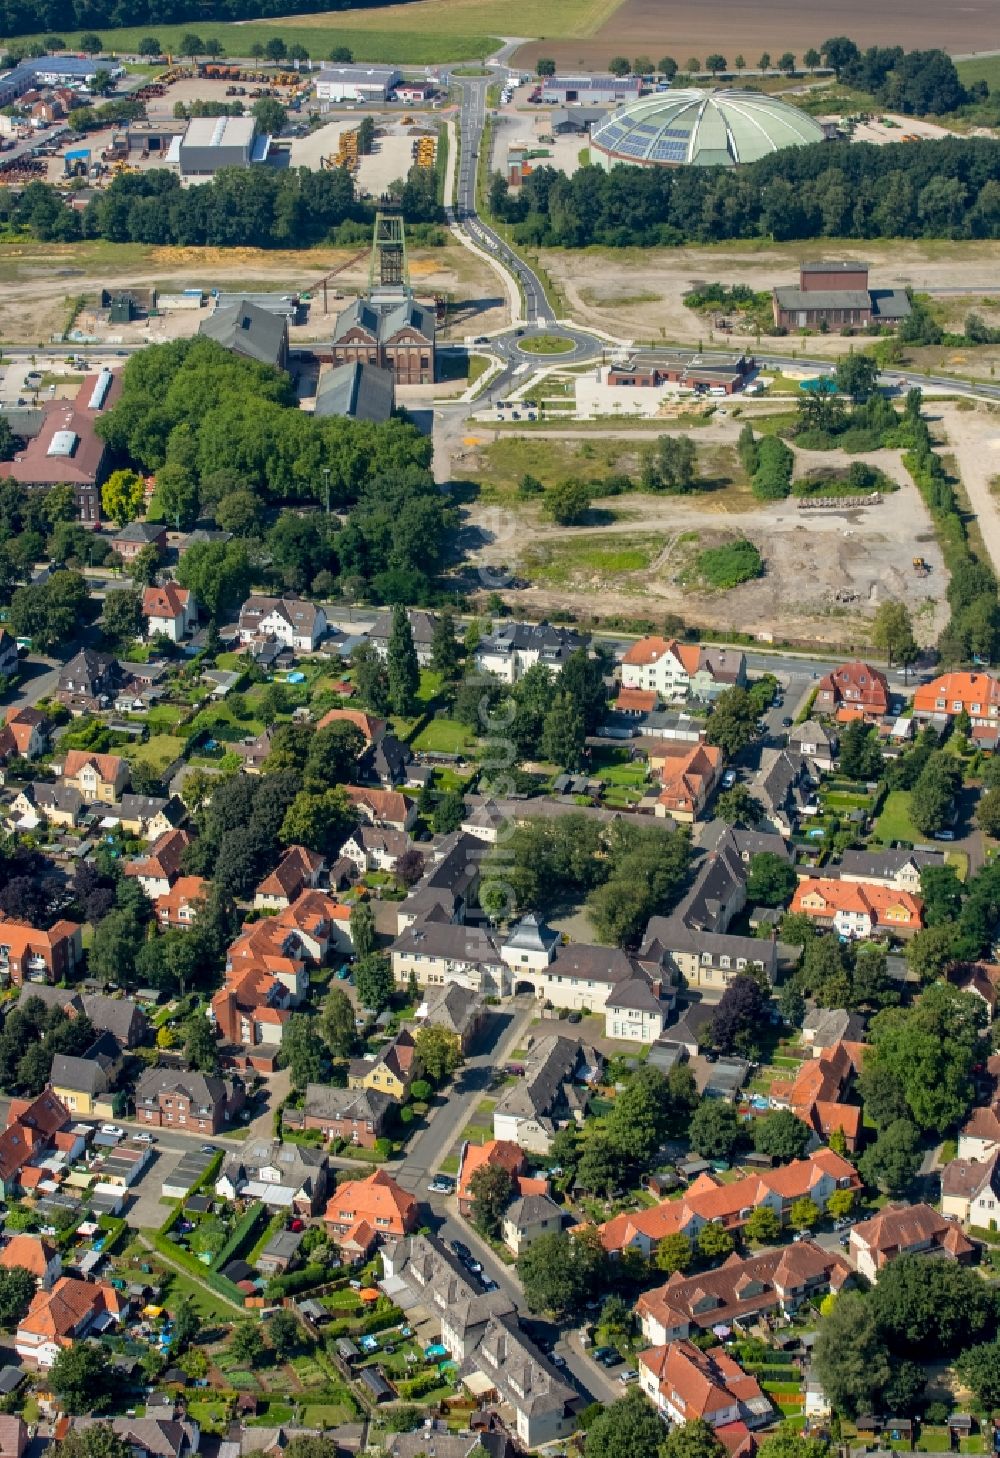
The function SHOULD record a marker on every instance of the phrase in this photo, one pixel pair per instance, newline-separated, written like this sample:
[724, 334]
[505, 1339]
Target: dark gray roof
[140, 531]
[549, 1072]
[84, 1074]
[528, 1209]
[247, 329]
[383, 320]
[637, 993]
[324, 1102]
[873, 864]
[452, 1006]
[422, 626]
[451, 939]
[890, 304]
[362, 391]
[201, 1088]
[66, 798]
[596, 964]
[551, 642]
[792, 298]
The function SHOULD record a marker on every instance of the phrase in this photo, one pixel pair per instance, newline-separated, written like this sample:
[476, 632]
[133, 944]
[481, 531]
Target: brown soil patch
[648, 27]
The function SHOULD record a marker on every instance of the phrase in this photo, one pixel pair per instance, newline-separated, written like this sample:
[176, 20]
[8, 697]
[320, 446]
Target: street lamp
[326, 480]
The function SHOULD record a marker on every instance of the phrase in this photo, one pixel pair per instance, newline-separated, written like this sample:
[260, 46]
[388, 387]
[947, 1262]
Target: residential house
[742, 1289]
[100, 778]
[151, 1436]
[970, 1191]
[435, 1279]
[688, 776]
[457, 1009]
[182, 1099]
[181, 906]
[851, 691]
[251, 1011]
[368, 726]
[814, 742]
[449, 882]
[122, 1017]
[356, 1115]
[913, 1229]
[170, 610]
[783, 788]
[28, 955]
[577, 975]
[422, 627]
[526, 1218]
[387, 762]
[253, 752]
[363, 1212]
[686, 1385]
[439, 952]
[858, 909]
[66, 449]
[36, 1129]
[88, 682]
[371, 848]
[694, 941]
[315, 926]
[979, 1136]
[708, 1200]
[896, 868]
[136, 536]
[484, 822]
[289, 1177]
[59, 1317]
[446, 1443]
[391, 1071]
[25, 732]
[512, 648]
[975, 694]
[982, 978]
[545, 1406]
[35, 1254]
[148, 816]
[910, 1230]
[681, 670]
[386, 808]
[636, 1012]
[83, 1083]
[825, 1027]
[299, 869]
[818, 1094]
[552, 1092]
[40, 803]
[292, 621]
[157, 871]
[492, 1154]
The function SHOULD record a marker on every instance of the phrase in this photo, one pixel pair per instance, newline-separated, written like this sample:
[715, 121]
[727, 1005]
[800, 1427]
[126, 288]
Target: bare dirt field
[648, 27]
[974, 441]
[826, 571]
[39, 281]
[638, 292]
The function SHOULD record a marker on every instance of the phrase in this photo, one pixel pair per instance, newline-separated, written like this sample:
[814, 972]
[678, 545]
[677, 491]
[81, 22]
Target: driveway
[144, 1211]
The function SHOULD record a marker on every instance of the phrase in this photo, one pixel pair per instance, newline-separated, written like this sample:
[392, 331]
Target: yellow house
[83, 1085]
[391, 1071]
[100, 778]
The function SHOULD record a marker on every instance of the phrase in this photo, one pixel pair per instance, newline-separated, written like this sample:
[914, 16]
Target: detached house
[391, 1071]
[182, 1099]
[513, 648]
[852, 691]
[88, 682]
[100, 778]
[685, 1384]
[676, 670]
[688, 775]
[363, 1212]
[970, 1191]
[357, 1115]
[284, 1176]
[856, 909]
[58, 1318]
[386, 808]
[422, 627]
[24, 734]
[35, 1254]
[298, 870]
[181, 905]
[157, 871]
[291, 621]
[170, 610]
[909, 1230]
[552, 1092]
[975, 694]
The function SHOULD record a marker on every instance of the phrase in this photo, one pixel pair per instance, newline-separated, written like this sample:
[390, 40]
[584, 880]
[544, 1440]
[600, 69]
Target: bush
[728, 566]
[772, 477]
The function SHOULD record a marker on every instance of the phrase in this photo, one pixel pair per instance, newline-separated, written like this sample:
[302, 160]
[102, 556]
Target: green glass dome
[700, 129]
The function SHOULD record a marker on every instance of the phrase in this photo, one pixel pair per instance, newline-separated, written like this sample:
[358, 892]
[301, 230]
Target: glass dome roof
[701, 129]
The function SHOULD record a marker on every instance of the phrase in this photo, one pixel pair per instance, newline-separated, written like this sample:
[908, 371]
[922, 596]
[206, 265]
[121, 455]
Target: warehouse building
[74, 71]
[356, 83]
[590, 90]
[834, 294]
[211, 143]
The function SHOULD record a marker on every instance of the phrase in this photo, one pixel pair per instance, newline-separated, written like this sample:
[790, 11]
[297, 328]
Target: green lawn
[445, 736]
[894, 823]
[592, 561]
[546, 344]
[159, 751]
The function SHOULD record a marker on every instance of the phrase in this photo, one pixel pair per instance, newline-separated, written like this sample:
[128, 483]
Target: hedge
[241, 1235]
[183, 1257]
[294, 1281]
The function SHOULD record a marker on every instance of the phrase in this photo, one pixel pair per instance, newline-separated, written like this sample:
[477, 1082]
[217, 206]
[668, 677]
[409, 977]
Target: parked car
[461, 1249]
[729, 779]
[630, 1376]
[114, 1130]
[441, 1185]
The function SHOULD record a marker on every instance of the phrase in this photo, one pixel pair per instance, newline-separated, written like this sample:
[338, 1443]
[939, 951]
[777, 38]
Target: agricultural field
[637, 28]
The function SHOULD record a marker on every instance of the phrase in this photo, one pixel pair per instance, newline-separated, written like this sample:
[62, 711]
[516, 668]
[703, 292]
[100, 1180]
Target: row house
[100, 778]
[64, 1315]
[157, 871]
[552, 1092]
[906, 1230]
[181, 905]
[970, 1191]
[819, 1092]
[740, 1290]
[709, 1201]
[36, 1129]
[687, 1385]
[951, 694]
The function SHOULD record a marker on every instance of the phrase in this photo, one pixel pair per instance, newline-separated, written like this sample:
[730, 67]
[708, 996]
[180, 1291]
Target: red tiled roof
[167, 601]
[108, 766]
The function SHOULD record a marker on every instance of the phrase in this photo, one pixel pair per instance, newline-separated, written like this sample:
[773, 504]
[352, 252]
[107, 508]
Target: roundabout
[546, 344]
